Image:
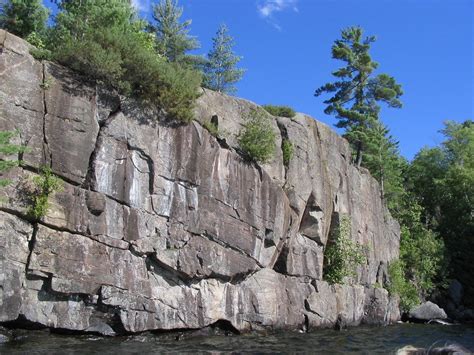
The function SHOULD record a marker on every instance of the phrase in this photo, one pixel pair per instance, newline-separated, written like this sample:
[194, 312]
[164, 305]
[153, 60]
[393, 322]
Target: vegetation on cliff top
[432, 197]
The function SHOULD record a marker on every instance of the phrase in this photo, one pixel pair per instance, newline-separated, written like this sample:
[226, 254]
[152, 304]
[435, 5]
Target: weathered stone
[162, 226]
[427, 311]
[15, 235]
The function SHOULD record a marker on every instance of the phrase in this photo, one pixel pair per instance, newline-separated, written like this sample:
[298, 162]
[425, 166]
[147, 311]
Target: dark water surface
[362, 340]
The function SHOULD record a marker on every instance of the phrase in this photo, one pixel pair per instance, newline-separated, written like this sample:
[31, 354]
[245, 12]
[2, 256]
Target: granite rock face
[162, 226]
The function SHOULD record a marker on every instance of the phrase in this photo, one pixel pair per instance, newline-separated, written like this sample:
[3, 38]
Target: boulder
[426, 312]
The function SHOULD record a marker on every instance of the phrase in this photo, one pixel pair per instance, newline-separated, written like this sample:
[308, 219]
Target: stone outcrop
[162, 226]
[426, 312]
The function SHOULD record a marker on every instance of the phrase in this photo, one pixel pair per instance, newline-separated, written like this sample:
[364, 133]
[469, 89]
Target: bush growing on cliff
[105, 41]
[287, 148]
[280, 111]
[7, 149]
[399, 285]
[342, 255]
[43, 186]
[257, 138]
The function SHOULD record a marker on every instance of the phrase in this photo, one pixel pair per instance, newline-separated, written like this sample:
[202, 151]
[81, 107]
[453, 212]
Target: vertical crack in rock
[150, 163]
[284, 137]
[31, 247]
[90, 176]
[46, 152]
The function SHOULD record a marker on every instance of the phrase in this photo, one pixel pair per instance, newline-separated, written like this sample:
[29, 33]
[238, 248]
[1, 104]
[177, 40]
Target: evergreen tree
[23, 17]
[220, 73]
[172, 38]
[356, 92]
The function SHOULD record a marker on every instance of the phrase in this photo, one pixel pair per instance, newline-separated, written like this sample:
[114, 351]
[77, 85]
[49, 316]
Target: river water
[360, 340]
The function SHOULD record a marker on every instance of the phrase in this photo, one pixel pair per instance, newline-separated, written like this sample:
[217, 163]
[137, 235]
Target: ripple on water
[361, 340]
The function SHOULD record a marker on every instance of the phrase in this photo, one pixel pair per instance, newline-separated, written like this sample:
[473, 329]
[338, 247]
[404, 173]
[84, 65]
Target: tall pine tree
[172, 36]
[23, 17]
[356, 92]
[220, 72]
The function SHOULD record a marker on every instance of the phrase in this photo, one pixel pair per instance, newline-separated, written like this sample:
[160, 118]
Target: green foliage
[39, 52]
[7, 149]
[172, 36]
[44, 185]
[280, 111]
[442, 179]
[257, 138]
[356, 92]
[23, 17]
[399, 285]
[342, 255]
[287, 148]
[212, 128]
[220, 73]
[104, 40]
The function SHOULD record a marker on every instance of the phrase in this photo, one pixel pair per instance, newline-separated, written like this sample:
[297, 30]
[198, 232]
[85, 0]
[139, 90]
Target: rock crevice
[163, 227]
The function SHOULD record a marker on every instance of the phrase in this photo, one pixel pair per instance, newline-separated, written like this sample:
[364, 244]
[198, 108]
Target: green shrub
[287, 148]
[342, 255]
[6, 149]
[257, 138]
[104, 41]
[399, 285]
[211, 127]
[44, 185]
[280, 111]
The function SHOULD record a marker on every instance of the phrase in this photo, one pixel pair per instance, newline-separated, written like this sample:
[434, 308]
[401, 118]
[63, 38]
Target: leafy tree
[442, 178]
[7, 149]
[220, 73]
[172, 36]
[356, 93]
[23, 17]
[342, 255]
[257, 138]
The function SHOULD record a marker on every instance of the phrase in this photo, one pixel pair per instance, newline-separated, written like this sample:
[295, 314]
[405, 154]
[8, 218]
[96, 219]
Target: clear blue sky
[427, 45]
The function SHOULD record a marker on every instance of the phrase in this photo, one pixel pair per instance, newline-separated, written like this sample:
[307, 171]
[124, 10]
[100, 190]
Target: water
[361, 340]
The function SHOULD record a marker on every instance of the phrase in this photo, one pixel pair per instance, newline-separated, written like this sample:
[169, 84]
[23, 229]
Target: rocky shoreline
[161, 226]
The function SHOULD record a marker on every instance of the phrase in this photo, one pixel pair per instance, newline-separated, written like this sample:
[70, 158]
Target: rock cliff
[162, 226]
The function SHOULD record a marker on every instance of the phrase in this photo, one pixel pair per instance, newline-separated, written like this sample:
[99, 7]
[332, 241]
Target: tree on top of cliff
[356, 92]
[23, 17]
[172, 36]
[220, 72]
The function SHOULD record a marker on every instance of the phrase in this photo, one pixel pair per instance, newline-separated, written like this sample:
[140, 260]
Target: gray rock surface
[427, 311]
[162, 226]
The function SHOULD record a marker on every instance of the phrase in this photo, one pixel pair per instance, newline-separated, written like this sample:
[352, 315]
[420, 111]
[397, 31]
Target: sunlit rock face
[163, 226]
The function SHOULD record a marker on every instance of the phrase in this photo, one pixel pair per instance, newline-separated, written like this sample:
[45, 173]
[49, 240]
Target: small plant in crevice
[46, 84]
[40, 190]
[280, 111]
[287, 148]
[342, 255]
[211, 127]
[257, 138]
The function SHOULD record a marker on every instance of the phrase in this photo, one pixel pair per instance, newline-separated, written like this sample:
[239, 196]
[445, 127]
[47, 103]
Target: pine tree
[172, 38]
[23, 17]
[357, 92]
[220, 73]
